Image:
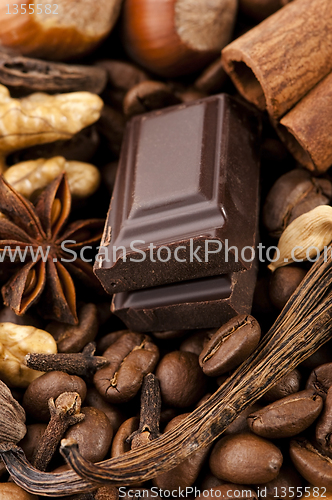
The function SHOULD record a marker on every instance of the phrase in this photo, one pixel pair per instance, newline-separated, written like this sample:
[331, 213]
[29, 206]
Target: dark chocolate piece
[202, 303]
[188, 176]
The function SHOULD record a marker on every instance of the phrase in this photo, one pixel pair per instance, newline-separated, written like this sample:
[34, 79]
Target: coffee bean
[230, 491]
[240, 424]
[195, 342]
[289, 384]
[230, 345]
[147, 96]
[114, 413]
[283, 283]
[182, 382]
[107, 340]
[120, 444]
[122, 74]
[212, 79]
[31, 440]
[170, 334]
[284, 485]
[10, 491]
[323, 430]
[320, 379]
[131, 357]
[311, 464]
[73, 338]
[50, 385]
[245, 459]
[93, 435]
[185, 474]
[292, 195]
[209, 480]
[288, 416]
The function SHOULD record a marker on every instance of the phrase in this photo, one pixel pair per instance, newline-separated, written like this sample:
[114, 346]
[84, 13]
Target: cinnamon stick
[280, 60]
[307, 128]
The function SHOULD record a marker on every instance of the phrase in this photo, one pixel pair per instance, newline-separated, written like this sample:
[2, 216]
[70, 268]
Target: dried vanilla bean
[83, 364]
[34, 75]
[301, 328]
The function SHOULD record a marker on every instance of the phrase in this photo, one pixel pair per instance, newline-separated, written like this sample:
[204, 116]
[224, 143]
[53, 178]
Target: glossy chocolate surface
[187, 174]
[201, 303]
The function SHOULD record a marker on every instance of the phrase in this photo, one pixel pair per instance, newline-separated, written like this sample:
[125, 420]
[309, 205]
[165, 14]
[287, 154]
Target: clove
[65, 411]
[83, 364]
[149, 413]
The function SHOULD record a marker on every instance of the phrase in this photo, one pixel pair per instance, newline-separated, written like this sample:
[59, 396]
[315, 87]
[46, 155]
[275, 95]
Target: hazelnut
[58, 29]
[176, 37]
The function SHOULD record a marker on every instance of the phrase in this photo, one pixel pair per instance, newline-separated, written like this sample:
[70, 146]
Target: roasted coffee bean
[120, 444]
[212, 79]
[50, 385]
[93, 435]
[245, 459]
[131, 357]
[147, 96]
[122, 75]
[169, 334]
[320, 379]
[240, 424]
[287, 416]
[230, 491]
[283, 283]
[196, 341]
[185, 474]
[73, 338]
[286, 485]
[107, 340]
[311, 463]
[10, 491]
[230, 345]
[31, 440]
[114, 413]
[190, 94]
[209, 480]
[289, 384]
[292, 195]
[182, 382]
[323, 432]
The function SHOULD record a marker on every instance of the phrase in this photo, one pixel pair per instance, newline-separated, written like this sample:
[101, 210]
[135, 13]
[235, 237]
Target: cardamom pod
[304, 237]
[12, 418]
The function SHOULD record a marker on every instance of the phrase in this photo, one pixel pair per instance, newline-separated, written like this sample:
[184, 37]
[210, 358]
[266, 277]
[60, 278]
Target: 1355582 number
[293, 492]
[31, 8]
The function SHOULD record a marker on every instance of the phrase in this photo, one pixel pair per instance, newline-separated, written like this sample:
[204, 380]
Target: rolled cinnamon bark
[280, 60]
[307, 128]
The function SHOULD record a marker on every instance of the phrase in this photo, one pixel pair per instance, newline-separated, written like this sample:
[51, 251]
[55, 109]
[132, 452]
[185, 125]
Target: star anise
[38, 233]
